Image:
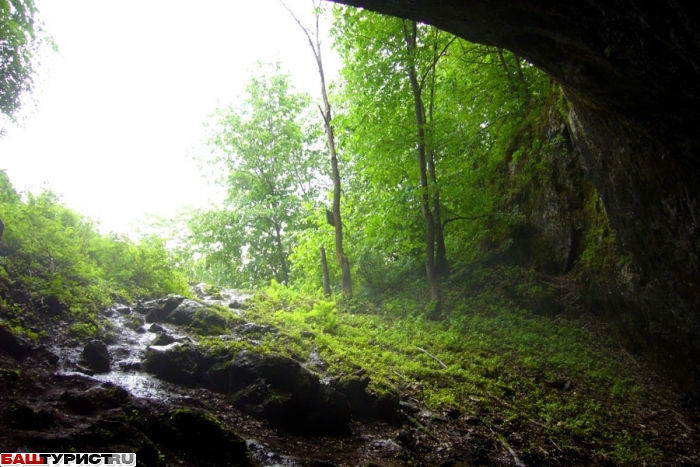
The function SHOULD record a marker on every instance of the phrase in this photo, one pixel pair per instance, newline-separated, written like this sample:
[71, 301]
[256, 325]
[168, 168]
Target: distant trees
[268, 150]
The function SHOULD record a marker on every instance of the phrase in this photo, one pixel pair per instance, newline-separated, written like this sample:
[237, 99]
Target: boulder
[162, 339]
[156, 328]
[354, 388]
[279, 390]
[12, 345]
[253, 328]
[121, 309]
[184, 314]
[365, 404]
[135, 322]
[209, 323]
[217, 378]
[104, 397]
[25, 417]
[176, 363]
[158, 310]
[96, 357]
[387, 409]
[199, 435]
[115, 436]
[203, 436]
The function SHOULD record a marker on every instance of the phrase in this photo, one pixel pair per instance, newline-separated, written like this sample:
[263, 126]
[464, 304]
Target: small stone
[163, 339]
[409, 407]
[96, 356]
[250, 328]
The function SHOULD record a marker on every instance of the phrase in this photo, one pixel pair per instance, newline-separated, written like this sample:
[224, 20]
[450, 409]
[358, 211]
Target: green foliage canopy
[51, 251]
[474, 99]
[20, 39]
[268, 149]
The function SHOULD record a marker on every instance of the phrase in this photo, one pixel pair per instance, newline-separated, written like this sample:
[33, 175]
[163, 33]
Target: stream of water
[129, 344]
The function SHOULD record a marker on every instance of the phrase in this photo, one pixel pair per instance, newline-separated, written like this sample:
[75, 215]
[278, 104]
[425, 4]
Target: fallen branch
[630, 356]
[516, 459]
[433, 357]
[399, 374]
[555, 445]
[680, 420]
[504, 442]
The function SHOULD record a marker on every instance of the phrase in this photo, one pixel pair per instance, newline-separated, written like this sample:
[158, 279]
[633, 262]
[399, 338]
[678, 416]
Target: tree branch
[432, 356]
[471, 218]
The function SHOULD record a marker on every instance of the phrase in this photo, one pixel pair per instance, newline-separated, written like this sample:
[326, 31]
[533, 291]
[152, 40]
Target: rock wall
[567, 230]
[630, 71]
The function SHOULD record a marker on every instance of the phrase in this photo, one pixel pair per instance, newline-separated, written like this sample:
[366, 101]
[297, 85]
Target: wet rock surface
[279, 390]
[96, 357]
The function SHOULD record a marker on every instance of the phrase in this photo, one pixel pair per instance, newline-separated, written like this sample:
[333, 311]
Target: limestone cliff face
[630, 70]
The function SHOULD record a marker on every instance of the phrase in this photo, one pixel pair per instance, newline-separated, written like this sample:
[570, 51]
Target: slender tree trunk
[340, 256]
[326, 277]
[506, 70]
[442, 266]
[521, 78]
[435, 293]
[280, 251]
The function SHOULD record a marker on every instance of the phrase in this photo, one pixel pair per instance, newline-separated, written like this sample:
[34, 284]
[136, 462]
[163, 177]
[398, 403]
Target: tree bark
[521, 78]
[502, 59]
[435, 293]
[326, 277]
[280, 251]
[442, 266]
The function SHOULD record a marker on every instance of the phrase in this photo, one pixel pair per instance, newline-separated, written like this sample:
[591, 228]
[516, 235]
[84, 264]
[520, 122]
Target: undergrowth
[512, 368]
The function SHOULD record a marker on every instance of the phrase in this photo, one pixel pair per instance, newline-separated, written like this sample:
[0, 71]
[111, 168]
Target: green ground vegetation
[55, 261]
[491, 359]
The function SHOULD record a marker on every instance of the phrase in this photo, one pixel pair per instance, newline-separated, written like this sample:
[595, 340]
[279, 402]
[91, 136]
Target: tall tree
[402, 58]
[410, 35]
[267, 148]
[341, 257]
[398, 78]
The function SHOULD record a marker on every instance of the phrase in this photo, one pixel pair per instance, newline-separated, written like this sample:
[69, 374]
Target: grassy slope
[541, 382]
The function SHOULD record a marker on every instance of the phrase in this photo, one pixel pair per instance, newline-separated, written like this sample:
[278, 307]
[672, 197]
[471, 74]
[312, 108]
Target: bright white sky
[121, 111]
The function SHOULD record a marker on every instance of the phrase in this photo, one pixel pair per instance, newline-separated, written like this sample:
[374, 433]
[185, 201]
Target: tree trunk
[442, 266]
[343, 262]
[326, 277]
[280, 251]
[506, 70]
[435, 293]
[521, 78]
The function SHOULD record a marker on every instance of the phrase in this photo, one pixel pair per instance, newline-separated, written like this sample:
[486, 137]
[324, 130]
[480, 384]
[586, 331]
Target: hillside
[279, 378]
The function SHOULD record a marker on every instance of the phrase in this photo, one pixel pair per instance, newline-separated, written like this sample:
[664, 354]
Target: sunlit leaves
[473, 106]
